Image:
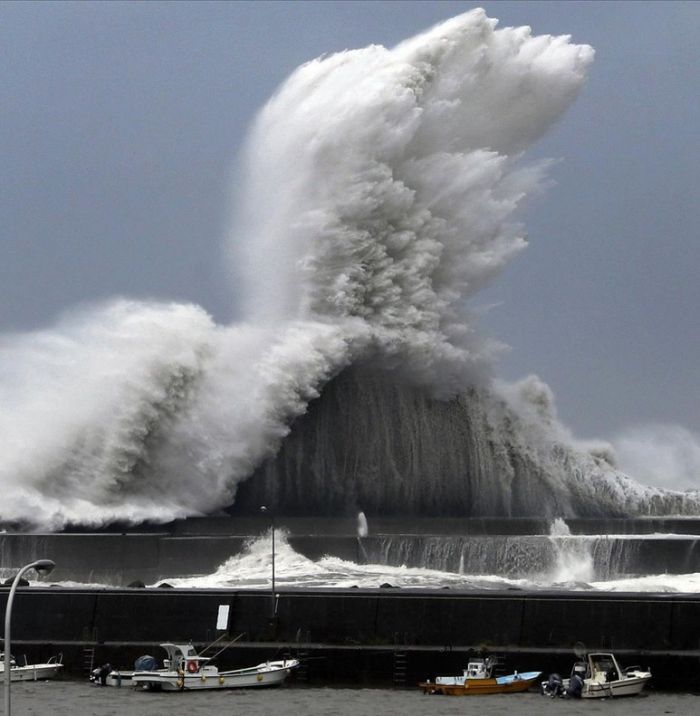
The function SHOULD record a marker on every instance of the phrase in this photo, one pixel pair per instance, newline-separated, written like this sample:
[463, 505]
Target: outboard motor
[100, 674]
[554, 686]
[145, 663]
[575, 687]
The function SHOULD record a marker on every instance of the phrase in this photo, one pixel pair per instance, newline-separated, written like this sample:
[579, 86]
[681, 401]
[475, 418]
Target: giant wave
[380, 193]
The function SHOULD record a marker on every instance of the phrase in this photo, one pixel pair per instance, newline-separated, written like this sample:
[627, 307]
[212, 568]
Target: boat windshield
[177, 652]
[479, 669]
[605, 664]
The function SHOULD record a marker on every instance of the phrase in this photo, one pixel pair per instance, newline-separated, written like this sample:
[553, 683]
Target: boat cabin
[478, 669]
[183, 657]
[602, 668]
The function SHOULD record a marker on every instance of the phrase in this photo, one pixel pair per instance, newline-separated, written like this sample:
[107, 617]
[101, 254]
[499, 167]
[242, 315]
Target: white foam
[252, 570]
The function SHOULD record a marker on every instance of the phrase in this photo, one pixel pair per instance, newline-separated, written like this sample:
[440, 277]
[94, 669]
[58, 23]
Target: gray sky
[121, 123]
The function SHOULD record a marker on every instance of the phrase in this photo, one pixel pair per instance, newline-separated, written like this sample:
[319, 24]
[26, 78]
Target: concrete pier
[363, 636]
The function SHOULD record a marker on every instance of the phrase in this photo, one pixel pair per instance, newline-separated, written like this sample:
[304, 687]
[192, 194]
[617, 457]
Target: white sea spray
[380, 193]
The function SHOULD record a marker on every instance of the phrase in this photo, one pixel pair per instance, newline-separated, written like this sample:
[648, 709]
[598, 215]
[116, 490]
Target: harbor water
[76, 698]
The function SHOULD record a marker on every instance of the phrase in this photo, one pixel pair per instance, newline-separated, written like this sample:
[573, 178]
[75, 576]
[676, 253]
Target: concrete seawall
[198, 546]
[119, 560]
[379, 636]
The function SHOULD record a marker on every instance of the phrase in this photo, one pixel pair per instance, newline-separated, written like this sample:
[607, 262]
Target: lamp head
[44, 566]
[263, 508]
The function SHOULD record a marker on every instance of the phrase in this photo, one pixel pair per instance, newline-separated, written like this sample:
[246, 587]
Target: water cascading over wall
[374, 443]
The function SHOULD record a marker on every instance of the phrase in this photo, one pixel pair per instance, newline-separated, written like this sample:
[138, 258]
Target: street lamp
[41, 565]
[264, 510]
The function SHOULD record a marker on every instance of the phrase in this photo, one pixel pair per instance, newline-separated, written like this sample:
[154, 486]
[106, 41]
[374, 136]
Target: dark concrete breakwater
[371, 637]
[380, 637]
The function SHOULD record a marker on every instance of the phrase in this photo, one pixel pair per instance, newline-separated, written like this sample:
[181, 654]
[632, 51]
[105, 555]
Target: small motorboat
[478, 679]
[599, 675]
[185, 670]
[31, 672]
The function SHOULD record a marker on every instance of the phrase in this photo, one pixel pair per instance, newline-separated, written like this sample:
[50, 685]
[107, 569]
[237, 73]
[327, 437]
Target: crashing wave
[380, 194]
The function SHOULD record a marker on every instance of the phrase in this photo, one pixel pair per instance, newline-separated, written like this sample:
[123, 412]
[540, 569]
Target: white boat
[599, 676]
[31, 672]
[185, 670]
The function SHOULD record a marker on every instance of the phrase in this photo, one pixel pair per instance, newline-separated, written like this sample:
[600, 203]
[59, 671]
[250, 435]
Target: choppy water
[72, 698]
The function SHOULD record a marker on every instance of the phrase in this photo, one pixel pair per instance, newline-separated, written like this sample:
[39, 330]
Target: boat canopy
[179, 652]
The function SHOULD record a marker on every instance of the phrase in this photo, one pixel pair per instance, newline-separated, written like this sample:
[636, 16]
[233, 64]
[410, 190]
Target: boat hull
[116, 679]
[210, 678]
[614, 689]
[481, 687]
[32, 672]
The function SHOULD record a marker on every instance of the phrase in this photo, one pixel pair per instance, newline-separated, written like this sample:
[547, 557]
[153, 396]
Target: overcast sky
[120, 128]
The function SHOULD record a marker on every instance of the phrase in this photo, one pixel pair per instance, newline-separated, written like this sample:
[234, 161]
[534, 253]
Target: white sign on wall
[222, 618]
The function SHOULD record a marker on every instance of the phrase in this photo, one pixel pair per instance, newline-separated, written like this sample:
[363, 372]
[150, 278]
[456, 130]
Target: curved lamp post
[264, 510]
[41, 565]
